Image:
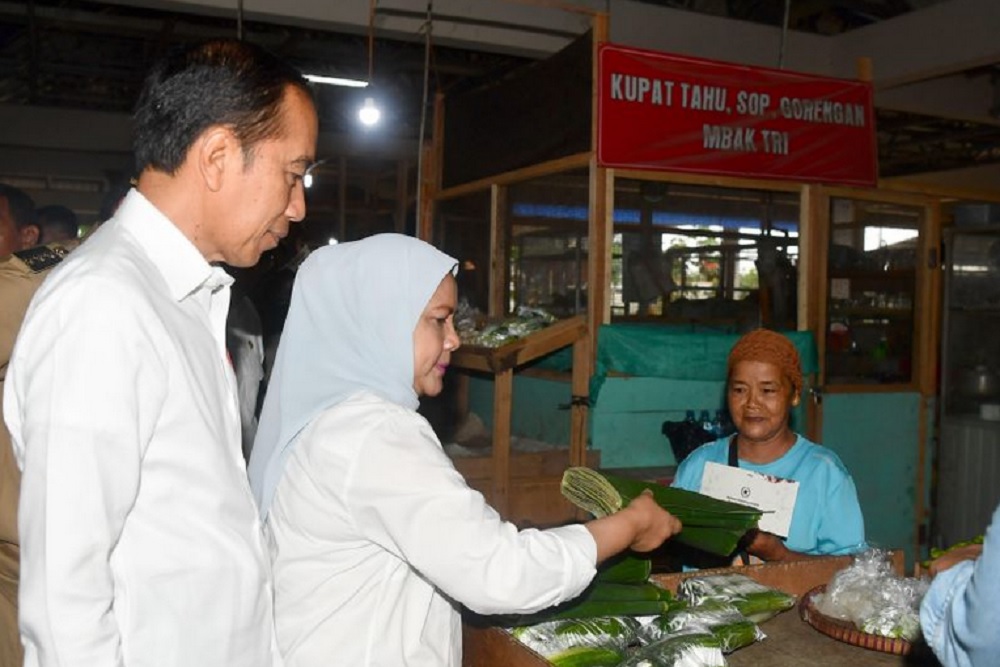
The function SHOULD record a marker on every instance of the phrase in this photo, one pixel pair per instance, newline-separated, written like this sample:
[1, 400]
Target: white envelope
[773, 495]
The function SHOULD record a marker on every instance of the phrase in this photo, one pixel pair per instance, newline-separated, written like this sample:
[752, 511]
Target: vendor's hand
[767, 546]
[653, 524]
[954, 557]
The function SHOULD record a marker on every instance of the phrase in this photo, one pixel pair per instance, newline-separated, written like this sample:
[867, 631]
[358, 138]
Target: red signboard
[674, 113]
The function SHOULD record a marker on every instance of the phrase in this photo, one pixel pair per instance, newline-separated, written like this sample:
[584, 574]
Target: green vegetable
[721, 619]
[754, 600]
[936, 553]
[563, 642]
[688, 650]
[712, 525]
[603, 590]
[737, 634]
[620, 627]
[586, 656]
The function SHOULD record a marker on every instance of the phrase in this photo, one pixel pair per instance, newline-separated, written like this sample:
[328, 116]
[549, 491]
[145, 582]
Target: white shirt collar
[174, 255]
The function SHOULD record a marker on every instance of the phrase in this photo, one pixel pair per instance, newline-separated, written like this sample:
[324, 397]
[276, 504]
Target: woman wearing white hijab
[375, 537]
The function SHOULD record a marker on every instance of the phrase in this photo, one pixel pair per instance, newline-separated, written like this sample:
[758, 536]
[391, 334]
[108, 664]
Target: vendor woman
[764, 384]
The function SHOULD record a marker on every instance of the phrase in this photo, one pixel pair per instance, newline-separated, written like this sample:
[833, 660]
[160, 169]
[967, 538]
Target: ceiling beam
[514, 28]
[940, 40]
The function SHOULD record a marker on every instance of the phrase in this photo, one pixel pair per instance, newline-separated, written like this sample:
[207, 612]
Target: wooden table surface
[793, 642]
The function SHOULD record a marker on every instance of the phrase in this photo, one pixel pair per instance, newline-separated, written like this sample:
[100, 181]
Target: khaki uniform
[20, 275]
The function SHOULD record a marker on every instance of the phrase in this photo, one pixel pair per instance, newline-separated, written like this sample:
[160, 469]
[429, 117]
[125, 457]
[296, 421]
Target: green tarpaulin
[659, 351]
[677, 352]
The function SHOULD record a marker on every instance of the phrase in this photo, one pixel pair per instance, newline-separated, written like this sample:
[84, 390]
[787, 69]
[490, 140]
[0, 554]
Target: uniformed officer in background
[18, 220]
[22, 269]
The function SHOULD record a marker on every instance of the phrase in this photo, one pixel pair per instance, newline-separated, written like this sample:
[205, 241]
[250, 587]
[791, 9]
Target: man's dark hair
[220, 82]
[57, 217]
[20, 204]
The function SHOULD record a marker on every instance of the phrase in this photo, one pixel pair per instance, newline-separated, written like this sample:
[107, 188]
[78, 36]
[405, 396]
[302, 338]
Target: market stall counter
[790, 640]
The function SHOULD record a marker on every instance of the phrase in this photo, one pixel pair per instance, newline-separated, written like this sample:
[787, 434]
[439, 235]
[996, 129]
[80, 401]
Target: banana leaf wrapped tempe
[709, 524]
[603, 598]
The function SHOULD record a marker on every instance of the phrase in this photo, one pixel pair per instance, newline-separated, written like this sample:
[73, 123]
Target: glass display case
[722, 257]
[970, 349]
[546, 220]
[549, 270]
[968, 456]
[872, 279]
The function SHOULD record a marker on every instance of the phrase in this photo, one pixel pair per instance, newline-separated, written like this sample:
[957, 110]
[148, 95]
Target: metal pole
[784, 34]
[423, 115]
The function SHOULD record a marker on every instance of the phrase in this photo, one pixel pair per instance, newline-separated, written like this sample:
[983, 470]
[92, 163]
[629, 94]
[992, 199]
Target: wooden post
[927, 308]
[497, 306]
[503, 390]
[430, 178]
[813, 229]
[600, 224]
[579, 402]
[865, 70]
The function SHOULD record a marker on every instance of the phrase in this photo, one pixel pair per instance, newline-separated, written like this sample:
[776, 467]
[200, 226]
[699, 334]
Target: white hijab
[349, 328]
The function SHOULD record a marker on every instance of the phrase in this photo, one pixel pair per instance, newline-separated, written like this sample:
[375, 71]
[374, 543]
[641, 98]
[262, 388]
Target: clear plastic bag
[686, 649]
[869, 594]
[721, 619]
[551, 638]
[754, 600]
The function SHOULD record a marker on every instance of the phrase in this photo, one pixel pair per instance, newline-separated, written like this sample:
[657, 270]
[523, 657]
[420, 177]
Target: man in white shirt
[140, 541]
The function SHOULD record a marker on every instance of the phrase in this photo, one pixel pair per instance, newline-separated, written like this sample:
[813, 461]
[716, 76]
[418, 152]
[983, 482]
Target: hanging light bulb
[369, 113]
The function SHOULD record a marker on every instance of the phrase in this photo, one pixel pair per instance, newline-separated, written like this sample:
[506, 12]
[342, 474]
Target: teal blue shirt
[827, 518]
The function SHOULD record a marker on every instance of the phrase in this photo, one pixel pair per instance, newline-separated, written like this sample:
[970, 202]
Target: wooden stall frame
[814, 241]
[927, 295]
[501, 363]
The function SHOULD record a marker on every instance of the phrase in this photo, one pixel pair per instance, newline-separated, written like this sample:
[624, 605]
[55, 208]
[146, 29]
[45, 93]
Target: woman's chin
[763, 435]
[429, 389]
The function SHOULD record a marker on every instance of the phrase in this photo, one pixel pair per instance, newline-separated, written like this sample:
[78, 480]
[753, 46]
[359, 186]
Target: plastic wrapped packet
[869, 594]
[721, 619]
[688, 649]
[585, 656]
[558, 641]
[497, 334]
[467, 318]
[754, 600]
[893, 622]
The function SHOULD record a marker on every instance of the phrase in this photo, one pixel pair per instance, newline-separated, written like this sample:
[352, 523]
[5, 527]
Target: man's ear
[215, 151]
[30, 235]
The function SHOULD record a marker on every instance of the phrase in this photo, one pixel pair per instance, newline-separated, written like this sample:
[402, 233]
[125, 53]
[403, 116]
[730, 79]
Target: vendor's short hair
[769, 347]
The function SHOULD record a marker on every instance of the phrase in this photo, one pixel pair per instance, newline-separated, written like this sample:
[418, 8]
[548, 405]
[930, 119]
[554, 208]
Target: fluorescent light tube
[336, 81]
